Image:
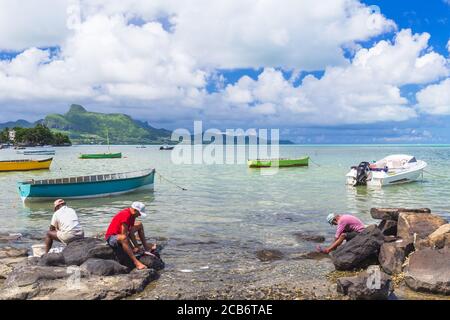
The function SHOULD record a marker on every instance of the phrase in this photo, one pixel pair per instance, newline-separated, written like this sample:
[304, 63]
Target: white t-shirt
[66, 220]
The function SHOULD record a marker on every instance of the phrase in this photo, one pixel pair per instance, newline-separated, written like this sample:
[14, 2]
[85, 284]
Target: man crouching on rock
[122, 229]
[348, 227]
[64, 226]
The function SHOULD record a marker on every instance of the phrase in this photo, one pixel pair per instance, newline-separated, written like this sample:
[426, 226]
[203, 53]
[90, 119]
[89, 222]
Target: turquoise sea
[231, 210]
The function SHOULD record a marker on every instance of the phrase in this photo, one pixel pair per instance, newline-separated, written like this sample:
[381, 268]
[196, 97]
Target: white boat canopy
[396, 161]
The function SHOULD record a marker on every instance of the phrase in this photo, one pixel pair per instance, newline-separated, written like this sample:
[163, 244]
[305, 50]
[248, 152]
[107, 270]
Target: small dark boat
[166, 147]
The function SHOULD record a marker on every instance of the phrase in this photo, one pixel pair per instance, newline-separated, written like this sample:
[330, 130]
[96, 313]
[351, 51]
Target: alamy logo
[374, 279]
[232, 146]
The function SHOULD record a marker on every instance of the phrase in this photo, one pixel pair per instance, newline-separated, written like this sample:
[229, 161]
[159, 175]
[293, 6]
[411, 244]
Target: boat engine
[362, 173]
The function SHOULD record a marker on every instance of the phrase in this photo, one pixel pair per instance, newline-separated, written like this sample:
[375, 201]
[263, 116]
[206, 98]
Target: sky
[329, 71]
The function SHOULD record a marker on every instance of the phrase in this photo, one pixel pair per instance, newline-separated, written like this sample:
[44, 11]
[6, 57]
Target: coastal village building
[12, 135]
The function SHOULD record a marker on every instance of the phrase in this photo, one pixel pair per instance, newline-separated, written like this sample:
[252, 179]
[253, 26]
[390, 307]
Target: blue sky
[333, 72]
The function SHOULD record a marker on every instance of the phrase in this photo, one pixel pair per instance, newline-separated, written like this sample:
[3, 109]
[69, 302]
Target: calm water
[229, 208]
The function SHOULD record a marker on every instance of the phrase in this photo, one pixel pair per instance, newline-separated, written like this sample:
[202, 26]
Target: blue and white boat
[94, 186]
[37, 152]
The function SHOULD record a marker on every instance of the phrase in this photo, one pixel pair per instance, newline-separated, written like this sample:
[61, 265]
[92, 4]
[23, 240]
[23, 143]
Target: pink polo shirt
[348, 223]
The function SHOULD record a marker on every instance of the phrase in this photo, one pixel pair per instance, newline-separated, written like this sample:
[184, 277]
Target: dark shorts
[112, 241]
[350, 235]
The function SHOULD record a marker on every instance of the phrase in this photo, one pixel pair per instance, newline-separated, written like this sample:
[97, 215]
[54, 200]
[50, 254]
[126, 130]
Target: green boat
[108, 155]
[101, 156]
[282, 163]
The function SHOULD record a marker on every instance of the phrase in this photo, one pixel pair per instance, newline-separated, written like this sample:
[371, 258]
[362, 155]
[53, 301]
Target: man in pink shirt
[348, 227]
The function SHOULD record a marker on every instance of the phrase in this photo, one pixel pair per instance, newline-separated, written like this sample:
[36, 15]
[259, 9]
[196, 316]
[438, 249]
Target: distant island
[79, 126]
[84, 127]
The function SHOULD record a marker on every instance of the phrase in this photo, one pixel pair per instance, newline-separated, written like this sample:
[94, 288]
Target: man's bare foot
[140, 266]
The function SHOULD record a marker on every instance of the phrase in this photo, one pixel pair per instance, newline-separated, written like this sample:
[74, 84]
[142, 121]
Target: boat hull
[98, 189]
[382, 178]
[43, 153]
[101, 156]
[25, 165]
[282, 163]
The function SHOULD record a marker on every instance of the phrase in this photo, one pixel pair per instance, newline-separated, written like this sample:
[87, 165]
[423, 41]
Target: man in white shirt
[64, 226]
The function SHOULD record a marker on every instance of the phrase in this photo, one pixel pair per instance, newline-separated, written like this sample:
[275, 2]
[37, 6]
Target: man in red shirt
[122, 229]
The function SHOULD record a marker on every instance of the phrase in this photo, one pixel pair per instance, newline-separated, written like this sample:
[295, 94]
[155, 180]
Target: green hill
[84, 127]
[19, 123]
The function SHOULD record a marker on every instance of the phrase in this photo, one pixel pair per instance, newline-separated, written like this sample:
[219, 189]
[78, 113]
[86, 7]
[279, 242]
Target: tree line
[38, 136]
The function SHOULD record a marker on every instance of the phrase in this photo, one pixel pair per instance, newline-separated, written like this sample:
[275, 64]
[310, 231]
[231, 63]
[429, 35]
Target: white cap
[139, 206]
[58, 202]
[331, 217]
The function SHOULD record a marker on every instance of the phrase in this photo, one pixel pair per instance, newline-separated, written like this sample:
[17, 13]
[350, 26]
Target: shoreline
[241, 273]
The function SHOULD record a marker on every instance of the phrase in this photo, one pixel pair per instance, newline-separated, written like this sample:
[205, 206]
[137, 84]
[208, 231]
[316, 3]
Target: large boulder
[79, 251]
[105, 288]
[419, 225]
[62, 286]
[152, 262]
[437, 240]
[28, 275]
[359, 252]
[369, 285]
[393, 213]
[9, 258]
[51, 259]
[388, 227]
[102, 267]
[393, 254]
[428, 270]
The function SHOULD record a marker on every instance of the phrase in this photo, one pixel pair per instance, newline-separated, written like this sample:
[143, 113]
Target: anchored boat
[25, 165]
[108, 155]
[394, 169]
[282, 163]
[101, 156]
[37, 152]
[94, 186]
[166, 147]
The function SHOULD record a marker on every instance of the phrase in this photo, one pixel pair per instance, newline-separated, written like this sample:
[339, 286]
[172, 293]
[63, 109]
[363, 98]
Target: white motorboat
[394, 169]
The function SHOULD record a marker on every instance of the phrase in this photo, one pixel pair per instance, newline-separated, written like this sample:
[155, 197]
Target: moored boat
[166, 147]
[394, 169]
[25, 165]
[101, 155]
[282, 163]
[93, 186]
[37, 152]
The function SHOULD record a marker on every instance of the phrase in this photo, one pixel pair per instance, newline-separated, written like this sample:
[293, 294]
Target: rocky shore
[86, 269]
[409, 246]
[405, 256]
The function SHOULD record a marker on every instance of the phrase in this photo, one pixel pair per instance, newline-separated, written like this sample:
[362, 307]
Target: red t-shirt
[115, 227]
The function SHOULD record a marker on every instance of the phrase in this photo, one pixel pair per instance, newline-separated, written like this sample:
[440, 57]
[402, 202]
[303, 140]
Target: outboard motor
[362, 173]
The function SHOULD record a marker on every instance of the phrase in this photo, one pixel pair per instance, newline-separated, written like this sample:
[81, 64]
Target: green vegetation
[38, 136]
[84, 127]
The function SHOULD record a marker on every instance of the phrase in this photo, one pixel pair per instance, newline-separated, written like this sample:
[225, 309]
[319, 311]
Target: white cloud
[32, 23]
[123, 55]
[435, 99]
[306, 34]
[365, 91]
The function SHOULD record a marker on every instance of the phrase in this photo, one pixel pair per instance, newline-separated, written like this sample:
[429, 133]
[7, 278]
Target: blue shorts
[112, 241]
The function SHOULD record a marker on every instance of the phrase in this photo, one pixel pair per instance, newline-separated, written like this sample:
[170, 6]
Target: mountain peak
[76, 108]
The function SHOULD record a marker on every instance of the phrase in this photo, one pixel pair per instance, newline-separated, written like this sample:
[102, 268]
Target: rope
[315, 162]
[433, 174]
[161, 177]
